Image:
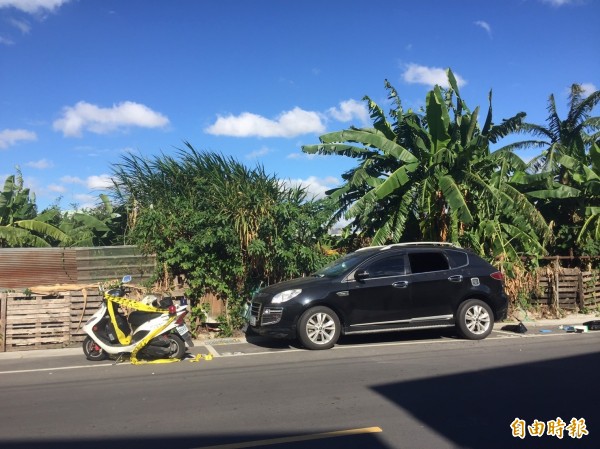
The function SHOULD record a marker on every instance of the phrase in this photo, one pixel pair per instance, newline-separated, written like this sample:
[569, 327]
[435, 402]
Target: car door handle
[400, 284]
[456, 278]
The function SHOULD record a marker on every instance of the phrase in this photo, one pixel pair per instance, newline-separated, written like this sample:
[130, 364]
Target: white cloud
[558, 3]
[22, 25]
[289, 124]
[429, 76]
[57, 188]
[350, 109]
[71, 180]
[486, 26]
[263, 151]
[6, 41]
[316, 186]
[86, 116]
[301, 155]
[588, 89]
[41, 164]
[9, 137]
[86, 201]
[101, 182]
[33, 6]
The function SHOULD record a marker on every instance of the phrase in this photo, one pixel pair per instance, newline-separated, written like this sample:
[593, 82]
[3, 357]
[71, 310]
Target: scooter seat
[137, 318]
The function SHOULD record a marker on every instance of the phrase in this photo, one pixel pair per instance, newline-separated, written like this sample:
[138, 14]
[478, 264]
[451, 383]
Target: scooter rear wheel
[92, 351]
[177, 346]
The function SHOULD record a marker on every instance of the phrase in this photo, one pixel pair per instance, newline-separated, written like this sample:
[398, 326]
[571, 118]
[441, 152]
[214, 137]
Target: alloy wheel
[477, 319]
[320, 328]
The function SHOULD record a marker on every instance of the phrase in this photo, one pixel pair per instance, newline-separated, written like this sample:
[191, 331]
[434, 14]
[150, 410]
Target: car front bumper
[277, 320]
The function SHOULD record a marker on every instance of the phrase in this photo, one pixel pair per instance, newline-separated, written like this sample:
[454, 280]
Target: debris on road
[593, 325]
[579, 329]
[517, 328]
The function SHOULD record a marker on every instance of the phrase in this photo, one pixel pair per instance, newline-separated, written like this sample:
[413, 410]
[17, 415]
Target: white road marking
[60, 368]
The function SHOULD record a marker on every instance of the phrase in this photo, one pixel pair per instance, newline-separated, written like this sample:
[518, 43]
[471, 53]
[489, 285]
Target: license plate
[252, 321]
[183, 329]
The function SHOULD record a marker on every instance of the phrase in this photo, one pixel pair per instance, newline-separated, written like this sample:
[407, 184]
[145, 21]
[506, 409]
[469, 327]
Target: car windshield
[340, 266]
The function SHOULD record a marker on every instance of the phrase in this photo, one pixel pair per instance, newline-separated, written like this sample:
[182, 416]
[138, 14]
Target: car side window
[457, 258]
[388, 266]
[427, 261]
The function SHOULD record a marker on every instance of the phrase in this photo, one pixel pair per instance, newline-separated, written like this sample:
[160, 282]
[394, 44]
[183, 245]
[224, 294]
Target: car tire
[319, 328]
[474, 319]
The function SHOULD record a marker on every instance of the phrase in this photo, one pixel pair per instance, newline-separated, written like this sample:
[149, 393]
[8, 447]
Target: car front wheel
[474, 319]
[319, 328]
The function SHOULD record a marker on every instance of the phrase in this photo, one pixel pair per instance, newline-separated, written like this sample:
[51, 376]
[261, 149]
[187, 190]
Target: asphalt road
[413, 390]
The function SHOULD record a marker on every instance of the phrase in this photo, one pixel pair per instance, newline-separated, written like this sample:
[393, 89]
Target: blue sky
[84, 82]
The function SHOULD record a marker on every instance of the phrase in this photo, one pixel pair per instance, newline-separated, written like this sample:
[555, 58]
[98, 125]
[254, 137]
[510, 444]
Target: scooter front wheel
[177, 346]
[92, 351]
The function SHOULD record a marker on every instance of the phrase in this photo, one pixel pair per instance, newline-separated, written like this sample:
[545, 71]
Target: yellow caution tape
[125, 340]
[133, 304]
[199, 357]
[146, 339]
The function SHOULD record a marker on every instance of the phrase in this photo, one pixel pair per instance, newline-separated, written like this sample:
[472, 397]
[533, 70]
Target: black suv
[404, 286]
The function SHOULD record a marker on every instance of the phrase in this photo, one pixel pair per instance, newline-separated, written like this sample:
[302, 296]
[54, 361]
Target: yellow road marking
[284, 440]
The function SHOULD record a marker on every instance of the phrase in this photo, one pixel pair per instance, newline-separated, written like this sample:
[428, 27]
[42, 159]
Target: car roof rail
[405, 244]
[370, 247]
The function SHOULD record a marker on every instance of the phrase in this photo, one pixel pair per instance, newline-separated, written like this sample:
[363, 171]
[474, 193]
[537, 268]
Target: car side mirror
[361, 275]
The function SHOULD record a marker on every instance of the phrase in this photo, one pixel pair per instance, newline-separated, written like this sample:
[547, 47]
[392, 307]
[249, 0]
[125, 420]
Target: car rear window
[427, 261]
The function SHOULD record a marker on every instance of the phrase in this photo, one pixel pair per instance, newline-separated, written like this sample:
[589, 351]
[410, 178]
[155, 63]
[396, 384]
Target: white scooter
[155, 330]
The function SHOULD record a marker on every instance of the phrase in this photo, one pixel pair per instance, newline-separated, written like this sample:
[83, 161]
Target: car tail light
[180, 318]
[172, 310]
[497, 275]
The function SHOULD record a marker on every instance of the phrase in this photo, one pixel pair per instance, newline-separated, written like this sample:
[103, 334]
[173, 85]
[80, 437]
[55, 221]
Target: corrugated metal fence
[26, 267]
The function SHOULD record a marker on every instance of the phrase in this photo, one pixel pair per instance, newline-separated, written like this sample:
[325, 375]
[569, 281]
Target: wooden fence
[567, 288]
[45, 321]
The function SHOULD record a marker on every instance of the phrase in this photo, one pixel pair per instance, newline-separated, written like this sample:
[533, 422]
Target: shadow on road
[400, 336]
[361, 441]
[272, 343]
[346, 340]
[476, 409]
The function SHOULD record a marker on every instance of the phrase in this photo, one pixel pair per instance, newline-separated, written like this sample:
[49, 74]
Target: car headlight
[285, 296]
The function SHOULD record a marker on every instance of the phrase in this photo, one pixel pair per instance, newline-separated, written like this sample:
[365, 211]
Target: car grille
[265, 316]
[255, 310]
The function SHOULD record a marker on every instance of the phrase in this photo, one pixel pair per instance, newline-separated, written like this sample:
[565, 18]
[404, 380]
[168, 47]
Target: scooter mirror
[126, 279]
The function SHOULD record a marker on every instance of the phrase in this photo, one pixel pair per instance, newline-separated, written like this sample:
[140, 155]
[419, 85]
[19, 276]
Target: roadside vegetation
[435, 174]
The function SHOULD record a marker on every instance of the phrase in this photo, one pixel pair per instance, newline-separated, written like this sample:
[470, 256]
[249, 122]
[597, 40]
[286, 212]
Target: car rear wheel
[319, 328]
[474, 319]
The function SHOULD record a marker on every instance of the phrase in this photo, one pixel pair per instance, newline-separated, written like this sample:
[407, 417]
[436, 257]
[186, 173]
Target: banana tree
[20, 226]
[102, 225]
[431, 176]
[563, 179]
